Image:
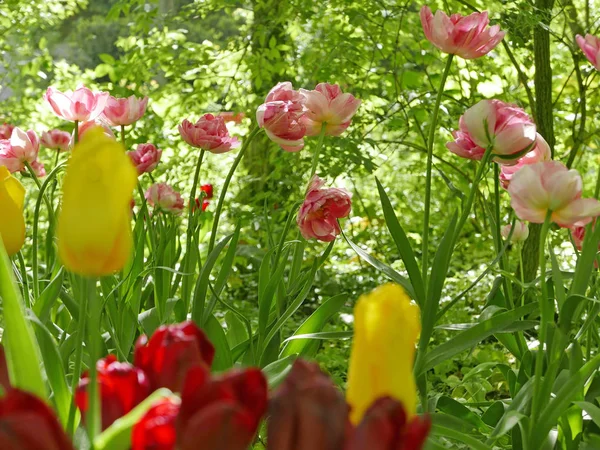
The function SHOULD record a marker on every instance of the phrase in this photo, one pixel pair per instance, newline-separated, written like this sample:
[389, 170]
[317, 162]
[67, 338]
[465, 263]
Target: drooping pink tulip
[145, 158]
[6, 130]
[164, 198]
[506, 128]
[328, 104]
[537, 188]
[282, 117]
[541, 152]
[124, 111]
[38, 168]
[22, 147]
[208, 133]
[590, 45]
[322, 207]
[520, 233]
[466, 36]
[56, 140]
[80, 105]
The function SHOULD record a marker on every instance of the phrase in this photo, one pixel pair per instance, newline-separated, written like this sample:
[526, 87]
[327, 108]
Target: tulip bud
[385, 427]
[171, 352]
[307, 412]
[223, 412]
[208, 190]
[328, 104]
[121, 387]
[27, 423]
[145, 158]
[12, 221]
[208, 133]
[156, 429]
[520, 233]
[164, 198]
[94, 231]
[386, 326]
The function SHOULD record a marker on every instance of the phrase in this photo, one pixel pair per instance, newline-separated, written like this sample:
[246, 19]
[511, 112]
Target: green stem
[76, 132]
[522, 274]
[597, 190]
[432, 129]
[544, 318]
[93, 416]
[238, 158]
[83, 310]
[123, 136]
[315, 160]
[23, 269]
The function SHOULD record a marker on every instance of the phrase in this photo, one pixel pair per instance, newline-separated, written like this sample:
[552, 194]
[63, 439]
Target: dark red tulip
[170, 352]
[208, 190]
[307, 412]
[27, 423]
[223, 412]
[122, 387]
[385, 427]
[156, 429]
[4, 379]
[196, 205]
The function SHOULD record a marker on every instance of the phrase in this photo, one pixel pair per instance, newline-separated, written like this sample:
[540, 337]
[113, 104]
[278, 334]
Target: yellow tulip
[12, 222]
[94, 229]
[386, 327]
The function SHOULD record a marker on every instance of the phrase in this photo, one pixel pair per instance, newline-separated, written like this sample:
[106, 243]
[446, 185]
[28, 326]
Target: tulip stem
[236, 162]
[42, 193]
[316, 153]
[545, 316]
[93, 419]
[76, 132]
[83, 307]
[430, 139]
[123, 136]
[597, 190]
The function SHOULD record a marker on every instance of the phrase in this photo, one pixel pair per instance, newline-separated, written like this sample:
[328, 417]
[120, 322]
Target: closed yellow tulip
[12, 222]
[386, 327]
[94, 225]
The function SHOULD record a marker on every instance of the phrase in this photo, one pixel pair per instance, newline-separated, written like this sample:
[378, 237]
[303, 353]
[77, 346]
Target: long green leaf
[22, 352]
[403, 245]
[215, 333]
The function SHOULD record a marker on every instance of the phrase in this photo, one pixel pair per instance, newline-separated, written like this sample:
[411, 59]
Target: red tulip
[223, 412]
[170, 352]
[196, 206]
[307, 412]
[122, 387]
[156, 429]
[27, 423]
[208, 190]
[385, 427]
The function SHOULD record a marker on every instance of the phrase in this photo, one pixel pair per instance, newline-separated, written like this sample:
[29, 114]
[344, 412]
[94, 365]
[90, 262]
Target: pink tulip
[322, 207]
[81, 105]
[145, 158]
[541, 152]
[164, 198]
[520, 233]
[578, 234]
[537, 188]
[468, 37]
[86, 126]
[56, 140]
[282, 117]
[6, 130]
[505, 127]
[38, 168]
[22, 147]
[209, 133]
[590, 45]
[124, 111]
[327, 104]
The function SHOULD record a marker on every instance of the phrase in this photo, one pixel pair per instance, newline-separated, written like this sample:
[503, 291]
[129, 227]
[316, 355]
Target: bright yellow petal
[386, 327]
[12, 222]
[94, 221]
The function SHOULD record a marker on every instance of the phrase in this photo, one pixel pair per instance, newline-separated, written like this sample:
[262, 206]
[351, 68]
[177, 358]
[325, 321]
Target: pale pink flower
[328, 104]
[590, 45]
[537, 188]
[505, 127]
[22, 147]
[6, 130]
[80, 105]
[208, 133]
[124, 111]
[282, 117]
[56, 140]
[541, 152]
[321, 209]
[38, 168]
[145, 158]
[466, 36]
[520, 233]
[164, 198]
